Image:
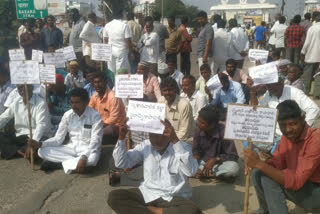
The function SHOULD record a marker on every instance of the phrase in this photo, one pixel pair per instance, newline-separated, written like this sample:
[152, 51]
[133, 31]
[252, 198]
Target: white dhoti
[118, 61]
[67, 156]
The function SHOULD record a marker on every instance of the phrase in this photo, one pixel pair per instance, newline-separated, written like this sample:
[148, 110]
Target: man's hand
[169, 132]
[250, 83]
[123, 130]
[81, 165]
[197, 157]
[204, 59]
[243, 53]
[34, 144]
[251, 158]
[207, 170]
[27, 154]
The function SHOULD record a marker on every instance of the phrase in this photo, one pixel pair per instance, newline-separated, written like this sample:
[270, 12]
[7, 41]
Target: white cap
[163, 68]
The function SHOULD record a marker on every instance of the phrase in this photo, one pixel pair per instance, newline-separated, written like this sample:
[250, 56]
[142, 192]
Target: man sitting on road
[293, 172]
[84, 127]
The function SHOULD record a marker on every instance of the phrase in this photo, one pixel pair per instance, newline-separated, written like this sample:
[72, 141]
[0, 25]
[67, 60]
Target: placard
[37, 55]
[69, 53]
[243, 122]
[24, 72]
[56, 59]
[258, 55]
[129, 86]
[101, 52]
[264, 74]
[47, 73]
[17, 55]
[214, 83]
[146, 116]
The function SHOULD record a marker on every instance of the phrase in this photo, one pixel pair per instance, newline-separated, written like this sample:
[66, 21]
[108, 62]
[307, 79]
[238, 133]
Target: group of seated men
[192, 144]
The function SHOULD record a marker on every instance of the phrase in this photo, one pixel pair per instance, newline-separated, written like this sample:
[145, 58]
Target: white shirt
[221, 46]
[197, 102]
[311, 47]
[78, 80]
[85, 132]
[278, 31]
[215, 27]
[40, 118]
[89, 35]
[117, 32]
[272, 40]
[149, 52]
[166, 175]
[291, 93]
[177, 76]
[5, 91]
[239, 43]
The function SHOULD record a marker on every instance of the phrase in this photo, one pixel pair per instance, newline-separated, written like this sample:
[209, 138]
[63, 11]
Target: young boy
[206, 73]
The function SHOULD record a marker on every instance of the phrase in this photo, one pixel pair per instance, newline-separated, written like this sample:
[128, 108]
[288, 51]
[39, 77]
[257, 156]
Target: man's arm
[240, 95]
[60, 38]
[209, 38]
[42, 121]
[253, 92]
[186, 121]
[156, 88]
[228, 151]
[117, 105]
[6, 116]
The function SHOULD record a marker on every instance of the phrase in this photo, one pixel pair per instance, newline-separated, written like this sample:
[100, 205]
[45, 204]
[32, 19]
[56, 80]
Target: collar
[174, 105]
[231, 86]
[84, 114]
[168, 151]
[172, 29]
[105, 96]
[32, 101]
[214, 134]
[305, 133]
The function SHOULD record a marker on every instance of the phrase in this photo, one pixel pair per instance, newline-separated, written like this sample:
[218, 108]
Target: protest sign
[37, 55]
[47, 74]
[258, 55]
[24, 72]
[17, 55]
[264, 74]
[214, 83]
[56, 59]
[69, 53]
[145, 116]
[129, 86]
[101, 52]
[243, 122]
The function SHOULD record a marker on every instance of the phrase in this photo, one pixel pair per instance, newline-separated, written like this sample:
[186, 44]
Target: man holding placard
[293, 172]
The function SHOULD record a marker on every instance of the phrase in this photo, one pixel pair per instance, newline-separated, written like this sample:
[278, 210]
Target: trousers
[185, 64]
[225, 169]
[308, 72]
[293, 54]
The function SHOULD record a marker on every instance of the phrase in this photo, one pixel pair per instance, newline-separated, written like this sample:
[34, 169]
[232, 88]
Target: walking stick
[30, 123]
[247, 190]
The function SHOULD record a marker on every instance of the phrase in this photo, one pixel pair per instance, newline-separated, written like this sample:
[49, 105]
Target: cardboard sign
[69, 53]
[244, 122]
[214, 83]
[264, 74]
[129, 86]
[145, 116]
[56, 59]
[47, 74]
[24, 72]
[37, 55]
[101, 52]
[258, 55]
[17, 55]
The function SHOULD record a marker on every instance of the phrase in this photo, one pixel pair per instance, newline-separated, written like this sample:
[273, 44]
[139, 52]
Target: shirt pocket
[86, 132]
[175, 120]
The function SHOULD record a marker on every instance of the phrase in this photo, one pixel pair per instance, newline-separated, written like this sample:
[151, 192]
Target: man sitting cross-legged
[293, 172]
[167, 164]
[84, 126]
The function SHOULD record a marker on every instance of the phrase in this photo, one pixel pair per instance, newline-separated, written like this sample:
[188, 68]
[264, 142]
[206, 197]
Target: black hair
[263, 23]
[117, 14]
[184, 20]
[202, 14]
[92, 15]
[223, 77]
[282, 19]
[169, 82]
[221, 23]
[80, 92]
[173, 18]
[156, 16]
[233, 23]
[210, 114]
[297, 66]
[205, 66]
[216, 18]
[130, 16]
[276, 53]
[31, 22]
[297, 19]
[100, 75]
[289, 109]
[75, 11]
[231, 61]
[50, 17]
[148, 19]
[190, 77]
[307, 16]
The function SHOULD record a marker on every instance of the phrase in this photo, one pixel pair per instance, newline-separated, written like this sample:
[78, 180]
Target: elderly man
[293, 172]
[84, 127]
[74, 78]
[294, 77]
[162, 191]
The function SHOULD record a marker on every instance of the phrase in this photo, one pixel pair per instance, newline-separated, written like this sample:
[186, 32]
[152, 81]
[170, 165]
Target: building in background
[311, 6]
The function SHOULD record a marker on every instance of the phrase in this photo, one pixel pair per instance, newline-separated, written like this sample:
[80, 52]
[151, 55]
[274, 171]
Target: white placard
[129, 86]
[47, 74]
[56, 59]
[214, 83]
[146, 116]
[17, 55]
[56, 7]
[258, 55]
[69, 53]
[244, 122]
[264, 74]
[101, 52]
[24, 72]
[37, 55]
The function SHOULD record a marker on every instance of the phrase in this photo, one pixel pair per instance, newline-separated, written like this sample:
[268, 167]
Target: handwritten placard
[69, 53]
[47, 74]
[129, 86]
[145, 116]
[56, 59]
[37, 55]
[258, 55]
[264, 74]
[244, 122]
[101, 52]
[17, 55]
[214, 83]
[24, 72]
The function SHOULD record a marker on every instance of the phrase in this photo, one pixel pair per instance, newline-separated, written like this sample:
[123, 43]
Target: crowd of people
[74, 117]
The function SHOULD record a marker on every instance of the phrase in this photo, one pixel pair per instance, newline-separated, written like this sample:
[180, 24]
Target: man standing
[51, 35]
[307, 22]
[272, 39]
[29, 40]
[136, 32]
[294, 38]
[163, 34]
[260, 36]
[205, 41]
[279, 31]
[185, 64]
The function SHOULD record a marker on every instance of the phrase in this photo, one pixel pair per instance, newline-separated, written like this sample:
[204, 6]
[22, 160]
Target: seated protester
[18, 111]
[217, 157]
[293, 172]
[196, 99]
[150, 82]
[178, 109]
[59, 101]
[174, 73]
[294, 77]
[111, 109]
[205, 72]
[283, 66]
[84, 127]
[89, 86]
[74, 78]
[162, 191]
[5, 88]
[274, 56]
[279, 92]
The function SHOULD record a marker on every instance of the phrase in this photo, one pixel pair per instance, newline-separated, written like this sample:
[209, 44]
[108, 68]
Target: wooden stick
[30, 123]
[101, 64]
[47, 94]
[128, 143]
[246, 197]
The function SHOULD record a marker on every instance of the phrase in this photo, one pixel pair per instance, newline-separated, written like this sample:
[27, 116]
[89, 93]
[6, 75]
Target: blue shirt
[90, 89]
[259, 33]
[234, 94]
[61, 104]
[50, 38]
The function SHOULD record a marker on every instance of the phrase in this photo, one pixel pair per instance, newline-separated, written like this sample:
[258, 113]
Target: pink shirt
[151, 88]
[239, 76]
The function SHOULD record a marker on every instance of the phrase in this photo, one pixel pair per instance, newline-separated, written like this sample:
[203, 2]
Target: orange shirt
[111, 109]
[299, 161]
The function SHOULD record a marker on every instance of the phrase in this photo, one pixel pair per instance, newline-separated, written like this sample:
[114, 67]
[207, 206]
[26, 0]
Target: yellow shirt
[175, 40]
